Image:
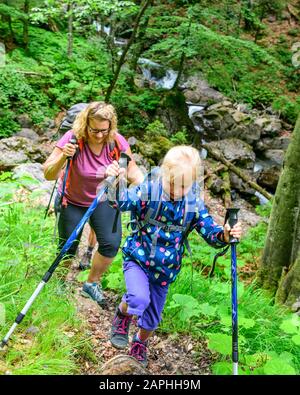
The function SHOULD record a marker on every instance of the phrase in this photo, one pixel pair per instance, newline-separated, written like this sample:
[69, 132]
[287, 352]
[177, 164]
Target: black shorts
[101, 221]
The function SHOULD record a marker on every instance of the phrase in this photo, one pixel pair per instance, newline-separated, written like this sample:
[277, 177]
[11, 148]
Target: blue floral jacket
[164, 267]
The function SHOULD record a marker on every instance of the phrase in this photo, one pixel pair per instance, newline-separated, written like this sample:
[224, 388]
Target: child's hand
[115, 170]
[236, 231]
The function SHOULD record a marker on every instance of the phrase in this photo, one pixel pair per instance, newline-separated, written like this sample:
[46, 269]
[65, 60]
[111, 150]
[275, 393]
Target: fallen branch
[226, 187]
[210, 173]
[33, 73]
[293, 11]
[218, 156]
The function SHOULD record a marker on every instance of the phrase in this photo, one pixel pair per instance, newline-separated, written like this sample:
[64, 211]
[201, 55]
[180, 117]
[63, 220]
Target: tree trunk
[126, 49]
[26, 24]
[280, 265]
[70, 30]
[183, 55]
[12, 34]
[138, 48]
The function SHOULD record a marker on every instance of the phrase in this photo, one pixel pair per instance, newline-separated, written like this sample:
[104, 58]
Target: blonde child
[165, 208]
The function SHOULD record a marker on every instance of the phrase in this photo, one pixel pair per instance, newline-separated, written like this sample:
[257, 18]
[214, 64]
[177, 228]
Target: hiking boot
[120, 329]
[138, 350]
[85, 262]
[93, 291]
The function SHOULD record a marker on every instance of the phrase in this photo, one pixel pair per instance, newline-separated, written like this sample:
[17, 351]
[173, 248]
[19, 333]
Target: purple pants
[144, 299]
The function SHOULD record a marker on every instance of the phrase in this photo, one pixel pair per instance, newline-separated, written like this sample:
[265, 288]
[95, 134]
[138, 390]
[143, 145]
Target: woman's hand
[236, 231]
[115, 170]
[69, 150]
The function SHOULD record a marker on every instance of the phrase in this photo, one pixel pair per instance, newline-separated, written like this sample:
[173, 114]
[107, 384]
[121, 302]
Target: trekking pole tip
[2, 345]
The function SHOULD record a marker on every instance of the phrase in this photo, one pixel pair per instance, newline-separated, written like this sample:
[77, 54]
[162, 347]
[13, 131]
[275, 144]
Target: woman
[95, 129]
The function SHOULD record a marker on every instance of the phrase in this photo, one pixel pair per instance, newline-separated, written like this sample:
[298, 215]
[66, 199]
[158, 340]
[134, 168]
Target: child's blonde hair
[181, 165]
[99, 111]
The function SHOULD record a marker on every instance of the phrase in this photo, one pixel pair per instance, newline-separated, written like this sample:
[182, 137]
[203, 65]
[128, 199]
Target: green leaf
[256, 360]
[240, 289]
[246, 322]
[222, 288]
[183, 300]
[220, 343]
[287, 356]
[222, 368]
[226, 320]
[277, 366]
[207, 309]
[296, 339]
[83, 276]
[114, 281]
[189, 306]
[289, 326]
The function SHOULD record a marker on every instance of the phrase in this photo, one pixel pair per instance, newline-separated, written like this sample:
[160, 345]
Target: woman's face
[98, 130]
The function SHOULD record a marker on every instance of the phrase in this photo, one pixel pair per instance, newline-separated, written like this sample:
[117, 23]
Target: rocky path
[168, 354]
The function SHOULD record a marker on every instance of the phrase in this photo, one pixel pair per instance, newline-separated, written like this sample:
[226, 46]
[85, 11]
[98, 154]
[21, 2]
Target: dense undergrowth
[50, 340]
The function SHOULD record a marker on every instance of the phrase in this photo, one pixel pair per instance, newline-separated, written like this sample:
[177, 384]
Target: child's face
[177, 188]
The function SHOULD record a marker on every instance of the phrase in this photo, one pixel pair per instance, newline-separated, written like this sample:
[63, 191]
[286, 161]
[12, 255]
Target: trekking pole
[73, 140]
[107, 182]
[47, 209]
[232, 215]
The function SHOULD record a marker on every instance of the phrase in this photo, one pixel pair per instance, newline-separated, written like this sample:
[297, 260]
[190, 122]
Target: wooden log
[226, 190]
[220, 157]
[33, 73]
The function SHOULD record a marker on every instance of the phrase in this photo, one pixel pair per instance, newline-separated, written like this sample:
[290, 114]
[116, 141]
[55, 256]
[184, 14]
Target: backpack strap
[153, 212]
[115, 149]
[67, 174]
[187, 219]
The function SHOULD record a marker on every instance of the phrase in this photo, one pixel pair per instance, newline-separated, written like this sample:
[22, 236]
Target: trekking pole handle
[123, 162]
[73, 141]
[232, 217]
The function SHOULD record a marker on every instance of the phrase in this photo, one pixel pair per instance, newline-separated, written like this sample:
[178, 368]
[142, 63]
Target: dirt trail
[168, 354]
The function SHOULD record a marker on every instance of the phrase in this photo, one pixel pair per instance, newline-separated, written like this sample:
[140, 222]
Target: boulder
[248, 133]
[269, 177]
[16, 150]
[28, 133]
[123, 365]
[275, 156]
[268, 143]
[272, 128]
[215, 184]
[192, 96]
[34, 170]
[25, 121]
[35, 181]
[236, 151]
[239, 116]
[197, 90]
[242, 187]
[261, 122]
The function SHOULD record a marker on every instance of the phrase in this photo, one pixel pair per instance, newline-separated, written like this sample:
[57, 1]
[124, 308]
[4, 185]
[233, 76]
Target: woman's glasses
[104, 132]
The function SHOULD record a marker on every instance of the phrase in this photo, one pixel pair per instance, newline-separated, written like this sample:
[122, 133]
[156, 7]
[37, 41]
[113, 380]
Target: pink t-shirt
[87, 171]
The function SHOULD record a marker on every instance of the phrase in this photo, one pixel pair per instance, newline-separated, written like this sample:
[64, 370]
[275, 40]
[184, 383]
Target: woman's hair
[99, 111]
[181, 164]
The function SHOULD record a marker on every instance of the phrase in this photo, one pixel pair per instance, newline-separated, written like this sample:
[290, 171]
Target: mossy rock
[156, 150]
